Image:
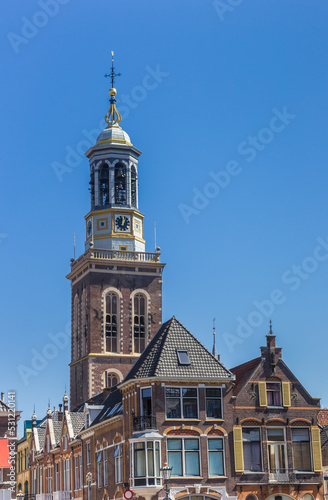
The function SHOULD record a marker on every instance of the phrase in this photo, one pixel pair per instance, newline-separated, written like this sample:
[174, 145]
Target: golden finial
[113, 116]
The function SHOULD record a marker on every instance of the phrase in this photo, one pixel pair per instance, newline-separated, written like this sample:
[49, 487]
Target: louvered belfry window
[111, 322]
[139, 323]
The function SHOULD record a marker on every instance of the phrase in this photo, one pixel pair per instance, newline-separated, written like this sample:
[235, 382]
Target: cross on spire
[112, 74]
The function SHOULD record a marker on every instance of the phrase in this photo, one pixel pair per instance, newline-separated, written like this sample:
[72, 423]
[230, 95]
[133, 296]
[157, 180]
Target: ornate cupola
[114, 222]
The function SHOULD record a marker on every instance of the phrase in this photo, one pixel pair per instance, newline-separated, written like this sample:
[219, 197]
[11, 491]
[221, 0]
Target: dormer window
[183, 358]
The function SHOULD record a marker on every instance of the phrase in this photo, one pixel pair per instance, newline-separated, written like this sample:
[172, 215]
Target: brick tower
[116, 285]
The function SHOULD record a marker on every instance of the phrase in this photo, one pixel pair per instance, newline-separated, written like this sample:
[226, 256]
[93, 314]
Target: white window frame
[118, 461]
[57, 476]
[261, 448]
[141, 398]
[221, 398]
[89, 490]
[76, 473]
[81, 472]
[99, 468]
[182, 417]
[183, 451]
[105, 469]
[284, 442]
[213, 451]
[88, 454]
[310, 445]
[147, 477]
[280, 393]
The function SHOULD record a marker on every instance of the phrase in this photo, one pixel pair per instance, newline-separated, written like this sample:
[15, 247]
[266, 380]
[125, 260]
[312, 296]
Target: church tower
[116, 285]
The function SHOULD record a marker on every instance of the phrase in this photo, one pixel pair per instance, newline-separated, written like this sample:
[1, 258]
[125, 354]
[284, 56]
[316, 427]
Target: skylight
[183, 357]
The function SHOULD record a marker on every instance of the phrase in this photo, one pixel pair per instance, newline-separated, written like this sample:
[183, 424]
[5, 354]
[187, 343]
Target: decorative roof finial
[214, 351]
[113, 116]
[270, 332]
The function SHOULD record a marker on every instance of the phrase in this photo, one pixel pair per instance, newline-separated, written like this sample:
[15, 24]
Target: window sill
[305, 472]
[186, 477]
[253, 473]
[275, 407]
[214, 420]
[217, 477]
[182, 420]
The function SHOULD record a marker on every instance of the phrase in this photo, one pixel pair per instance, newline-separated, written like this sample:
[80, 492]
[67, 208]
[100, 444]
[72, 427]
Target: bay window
[181, 402]
[215, 457]
[183, 456]
[146, 463]
[252, 449]
[301, 450]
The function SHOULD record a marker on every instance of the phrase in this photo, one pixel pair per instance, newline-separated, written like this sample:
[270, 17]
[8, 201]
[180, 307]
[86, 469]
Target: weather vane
[112, 116]
[112, 74]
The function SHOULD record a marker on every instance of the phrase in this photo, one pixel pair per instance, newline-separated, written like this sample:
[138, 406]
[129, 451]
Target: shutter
[263, 394]
[316, 449]
[238, 448]
[286, 394]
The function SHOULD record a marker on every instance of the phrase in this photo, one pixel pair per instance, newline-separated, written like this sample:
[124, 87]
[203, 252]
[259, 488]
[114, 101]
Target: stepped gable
[160, 358]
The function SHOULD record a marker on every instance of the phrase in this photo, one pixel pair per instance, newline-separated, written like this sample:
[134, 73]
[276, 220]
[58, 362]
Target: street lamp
[166, 474]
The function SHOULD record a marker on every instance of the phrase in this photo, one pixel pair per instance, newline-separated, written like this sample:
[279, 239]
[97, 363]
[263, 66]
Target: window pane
[190, 408]
[213, 393]
[213, 408]
[189, 393]
[150, 458]
[251, 434]
[139, 460]
[174, 444]
[215, 444]
[172, 392]
[300, 435]
[174, 459]
[252, 456]
[173, 408]
[215, 463]
[191, 444]
[276, 434]
[192, 463]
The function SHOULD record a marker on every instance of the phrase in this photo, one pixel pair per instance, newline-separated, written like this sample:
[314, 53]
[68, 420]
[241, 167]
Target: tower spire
[214, 351]
[112, 116]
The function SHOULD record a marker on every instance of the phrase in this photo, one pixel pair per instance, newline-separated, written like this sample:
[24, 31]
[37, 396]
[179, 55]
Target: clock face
[122, 223]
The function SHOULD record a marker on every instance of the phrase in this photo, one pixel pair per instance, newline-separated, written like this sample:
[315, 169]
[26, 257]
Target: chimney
[2, 396]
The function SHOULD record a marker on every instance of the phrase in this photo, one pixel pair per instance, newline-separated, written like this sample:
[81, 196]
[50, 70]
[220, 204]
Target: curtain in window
[301, 449]
[252, 450]
[139, 460]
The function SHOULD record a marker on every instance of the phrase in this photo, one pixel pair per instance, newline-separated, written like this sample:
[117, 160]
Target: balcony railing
[61, 495]
[143, 423]
[282, 476]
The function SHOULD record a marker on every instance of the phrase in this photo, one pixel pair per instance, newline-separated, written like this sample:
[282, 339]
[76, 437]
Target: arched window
[92, 187]
[76, 332]
[104, 185]
[111, 322]
[84, 323]
[120, 184]
[133, 186]
[139, 322]
[111, 379]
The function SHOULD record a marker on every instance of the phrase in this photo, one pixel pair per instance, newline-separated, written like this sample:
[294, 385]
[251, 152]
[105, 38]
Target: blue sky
[228, 102]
